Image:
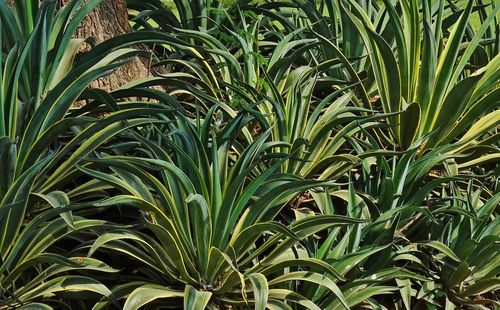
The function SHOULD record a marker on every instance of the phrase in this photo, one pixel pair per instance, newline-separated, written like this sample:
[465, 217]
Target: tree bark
[107, 20]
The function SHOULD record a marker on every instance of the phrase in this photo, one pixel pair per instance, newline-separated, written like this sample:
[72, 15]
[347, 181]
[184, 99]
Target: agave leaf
[202, 229]
[405, 291]
[444, 69]
[194, 299]
[482, 286]
[261, 290]
[291, 296]
[147, 293]
[35, 306]
[14, 207]
[346, 263]
[74, 283]
[33, 261]
[359, 294]
[242, 241]
[441, 247]
[59, 199]
[313, 278]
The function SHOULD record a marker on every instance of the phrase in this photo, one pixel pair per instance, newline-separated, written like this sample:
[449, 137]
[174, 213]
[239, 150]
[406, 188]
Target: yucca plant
[35, 272]
[460, 245]
[424, 205]
[210, 232]
[299, 103]
[265, 175]
[35, 98]
[321, 35]
[41, 140]
[404, 43]
[372, 269]
[431, 74]
[192, 15]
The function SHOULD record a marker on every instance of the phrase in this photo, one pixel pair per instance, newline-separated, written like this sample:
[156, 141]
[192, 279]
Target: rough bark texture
[107, 20]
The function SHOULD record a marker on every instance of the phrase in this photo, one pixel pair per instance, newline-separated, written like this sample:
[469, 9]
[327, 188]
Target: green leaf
[409, 123]
[294, 297]
[66, 283]
[35, 306]
[147, 293]
[312, 277]
[480, 287]
[405, 290]
[59, 199]
[202, 227]
[261, 290]
[195, 300]
[441, 247]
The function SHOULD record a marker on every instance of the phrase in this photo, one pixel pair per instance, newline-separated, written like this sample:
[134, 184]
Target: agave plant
[425, 206]
[402, 54]
[440, 89]
[300, 104]
[458, 252]
[192, 15]
[34, 103]
[41, 140]
[214, 238]
[461, 245]
[372, 269]
[33, 270]
[300, 154]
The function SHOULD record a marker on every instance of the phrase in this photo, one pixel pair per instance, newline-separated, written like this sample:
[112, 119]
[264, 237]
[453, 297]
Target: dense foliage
[282, 155]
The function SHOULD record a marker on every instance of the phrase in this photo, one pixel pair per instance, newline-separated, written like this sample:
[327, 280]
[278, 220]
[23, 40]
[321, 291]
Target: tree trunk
[107, 20]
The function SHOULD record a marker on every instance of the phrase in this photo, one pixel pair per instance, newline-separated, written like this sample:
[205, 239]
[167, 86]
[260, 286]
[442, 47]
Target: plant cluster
[282, 155]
